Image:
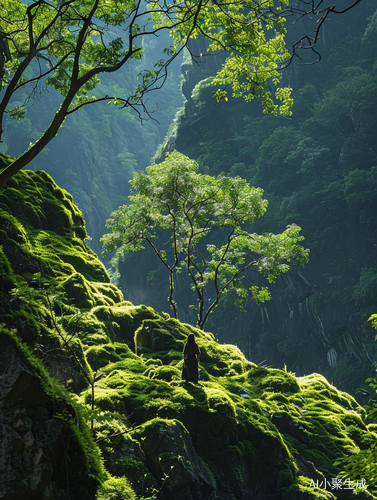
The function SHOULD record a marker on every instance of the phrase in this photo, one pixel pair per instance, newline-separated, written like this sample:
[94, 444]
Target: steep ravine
[245, 432]
[318, 170]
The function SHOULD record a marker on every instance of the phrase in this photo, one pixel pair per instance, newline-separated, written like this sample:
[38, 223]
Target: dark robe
[190, 373]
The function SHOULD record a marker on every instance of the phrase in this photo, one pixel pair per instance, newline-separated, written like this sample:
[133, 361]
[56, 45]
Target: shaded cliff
[318, 170]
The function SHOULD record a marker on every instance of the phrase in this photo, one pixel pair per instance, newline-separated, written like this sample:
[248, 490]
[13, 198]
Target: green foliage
[116, 488]
[317, 170]
[68, 51]
[365, 292]
[190, 207]
[360, 195]
[202, 93]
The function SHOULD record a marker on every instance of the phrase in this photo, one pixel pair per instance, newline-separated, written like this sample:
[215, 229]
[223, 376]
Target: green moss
[319, 387]
[5, 160]
[305, 490]
[28, 252]
[63, 255]
[49, 216]
[322, 462]
[107, 292]
[227, 466]
[253, 461]
[214, 412]
[78, 290]
[241, 440]
[123, 319]
[219, 359]
[47, 206]
[372, 428]
[116, 488]
[279, 381]
[88, 327]
[167, 373]
[7, 277]
[285, 477]
[131, 365]
[27, 355]
[102, 355]
[13, 230]
[87, 458]
[141, 479]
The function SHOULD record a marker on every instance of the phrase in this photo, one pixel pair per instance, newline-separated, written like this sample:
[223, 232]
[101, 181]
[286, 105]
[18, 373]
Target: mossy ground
[250, 427]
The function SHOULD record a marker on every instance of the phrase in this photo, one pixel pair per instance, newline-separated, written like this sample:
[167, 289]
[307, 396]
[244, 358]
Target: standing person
[191, 353]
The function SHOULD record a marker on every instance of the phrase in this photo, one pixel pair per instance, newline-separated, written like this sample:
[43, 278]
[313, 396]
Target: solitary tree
[183, 215]
[67, 44]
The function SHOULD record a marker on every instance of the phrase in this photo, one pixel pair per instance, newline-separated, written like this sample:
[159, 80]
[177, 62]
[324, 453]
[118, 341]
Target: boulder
[40, 456]
[171, 457]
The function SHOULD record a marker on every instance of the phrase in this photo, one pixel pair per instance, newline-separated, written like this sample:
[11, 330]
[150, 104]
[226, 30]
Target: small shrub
[116, 488]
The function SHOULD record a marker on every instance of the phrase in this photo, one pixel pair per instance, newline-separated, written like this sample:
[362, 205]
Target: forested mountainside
[318, 170]
[97, 149]
[92, 404]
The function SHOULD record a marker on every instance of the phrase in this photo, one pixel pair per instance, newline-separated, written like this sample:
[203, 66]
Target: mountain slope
[245, 432]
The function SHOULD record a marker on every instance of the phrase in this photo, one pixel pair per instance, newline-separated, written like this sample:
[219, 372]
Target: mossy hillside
[52, 282]
[164, 337]
[49, 276]
[246, 428]
[259, 420]
[55, 227]
[42, 231]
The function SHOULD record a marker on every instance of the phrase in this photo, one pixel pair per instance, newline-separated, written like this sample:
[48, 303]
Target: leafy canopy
[198, 224]
[67, 44]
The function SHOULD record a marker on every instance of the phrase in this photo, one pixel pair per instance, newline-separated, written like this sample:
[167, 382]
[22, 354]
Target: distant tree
[346, 107]
[190, 213]
[67, 44]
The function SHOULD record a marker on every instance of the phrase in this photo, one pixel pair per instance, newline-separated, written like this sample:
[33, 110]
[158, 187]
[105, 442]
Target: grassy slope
[244, 432]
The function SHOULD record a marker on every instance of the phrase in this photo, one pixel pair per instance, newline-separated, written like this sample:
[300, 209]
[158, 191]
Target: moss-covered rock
[116, 488]
[244, 432]
[171, 457]
[45, 446]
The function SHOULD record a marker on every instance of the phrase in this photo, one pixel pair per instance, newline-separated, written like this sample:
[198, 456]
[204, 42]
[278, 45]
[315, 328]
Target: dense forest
[92, 401]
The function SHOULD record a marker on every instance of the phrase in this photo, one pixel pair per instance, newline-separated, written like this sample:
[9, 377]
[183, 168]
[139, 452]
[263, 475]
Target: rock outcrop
[45, 451]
